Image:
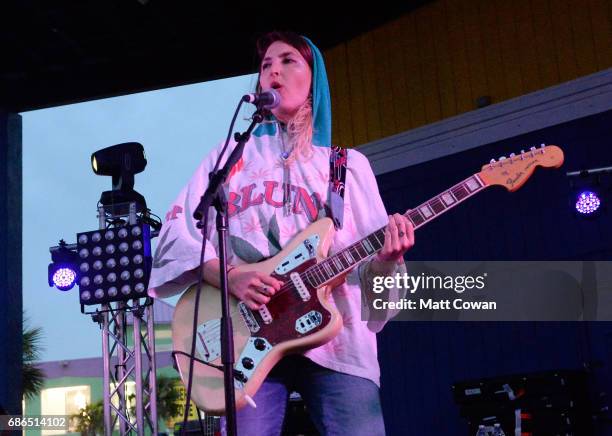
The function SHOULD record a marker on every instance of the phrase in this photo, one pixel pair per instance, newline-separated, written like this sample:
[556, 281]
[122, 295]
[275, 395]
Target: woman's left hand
[399, 238]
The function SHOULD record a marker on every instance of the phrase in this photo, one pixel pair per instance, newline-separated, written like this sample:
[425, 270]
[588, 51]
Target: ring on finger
[401, 234]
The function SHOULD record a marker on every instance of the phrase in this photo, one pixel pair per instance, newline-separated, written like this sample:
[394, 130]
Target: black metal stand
[215, 196]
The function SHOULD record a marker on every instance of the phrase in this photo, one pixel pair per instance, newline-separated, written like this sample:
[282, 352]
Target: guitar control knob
[260, 344]
[248, 363]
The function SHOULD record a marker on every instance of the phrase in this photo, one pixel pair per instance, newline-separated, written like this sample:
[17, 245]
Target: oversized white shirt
[258, 227]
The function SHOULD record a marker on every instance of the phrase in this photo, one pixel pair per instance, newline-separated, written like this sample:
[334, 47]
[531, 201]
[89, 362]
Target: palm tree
[90, 420]
[167, 399]
[33, 378]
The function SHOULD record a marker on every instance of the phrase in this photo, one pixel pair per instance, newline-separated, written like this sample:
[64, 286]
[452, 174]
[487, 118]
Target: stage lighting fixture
[587, 202]
[62, 270]
[589, 191]
[114, 264]
[122, 162]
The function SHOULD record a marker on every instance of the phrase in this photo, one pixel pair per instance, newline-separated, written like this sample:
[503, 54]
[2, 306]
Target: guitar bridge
[248, 318]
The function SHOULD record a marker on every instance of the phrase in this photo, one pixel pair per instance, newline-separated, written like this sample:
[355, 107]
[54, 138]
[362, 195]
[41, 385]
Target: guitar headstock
[512, 172]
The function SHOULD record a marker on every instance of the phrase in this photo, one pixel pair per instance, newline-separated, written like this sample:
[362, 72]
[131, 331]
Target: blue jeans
[338, 404]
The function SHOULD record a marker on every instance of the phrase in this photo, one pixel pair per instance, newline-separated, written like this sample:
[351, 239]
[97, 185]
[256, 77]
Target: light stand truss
[135, 414]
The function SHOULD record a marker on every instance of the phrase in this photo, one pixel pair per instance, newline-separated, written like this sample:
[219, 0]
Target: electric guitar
[299, 316]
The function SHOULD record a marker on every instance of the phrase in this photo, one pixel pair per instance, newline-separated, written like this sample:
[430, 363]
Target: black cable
[195, 325]
[146, 217]
[155, 215]
[158, 220]
[229, 135]
[200, 279]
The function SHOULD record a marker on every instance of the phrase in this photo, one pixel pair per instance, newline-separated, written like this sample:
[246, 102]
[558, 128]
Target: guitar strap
[337, 180]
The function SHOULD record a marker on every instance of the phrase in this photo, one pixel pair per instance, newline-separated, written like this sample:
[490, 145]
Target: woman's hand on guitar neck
[399, 238]
[253, 287]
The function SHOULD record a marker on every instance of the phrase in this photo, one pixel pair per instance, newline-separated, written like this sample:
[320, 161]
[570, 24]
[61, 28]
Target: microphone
[264, 100]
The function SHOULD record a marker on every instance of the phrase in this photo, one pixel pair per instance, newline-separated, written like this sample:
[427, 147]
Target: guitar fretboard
[446, 200]
[347, 258]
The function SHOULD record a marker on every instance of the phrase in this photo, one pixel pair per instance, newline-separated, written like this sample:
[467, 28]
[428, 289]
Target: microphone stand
[215, 196]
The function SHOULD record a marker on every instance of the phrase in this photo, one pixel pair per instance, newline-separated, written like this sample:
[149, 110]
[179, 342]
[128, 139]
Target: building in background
[72, 384]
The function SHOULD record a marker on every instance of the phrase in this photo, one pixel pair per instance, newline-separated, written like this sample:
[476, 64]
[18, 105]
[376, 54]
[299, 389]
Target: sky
[176, 126]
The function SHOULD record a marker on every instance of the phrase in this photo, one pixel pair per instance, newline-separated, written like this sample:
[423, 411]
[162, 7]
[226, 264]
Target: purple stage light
[62, 271]
[64, 278]
[587, 203]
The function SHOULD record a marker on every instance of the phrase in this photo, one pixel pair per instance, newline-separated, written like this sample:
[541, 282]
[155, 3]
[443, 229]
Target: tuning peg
[502, 159]
[491, 163]
[543, 148]
[512, 156]
[522, 154]
[533, 150]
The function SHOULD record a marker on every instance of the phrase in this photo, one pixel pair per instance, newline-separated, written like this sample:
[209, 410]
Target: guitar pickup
[265, 314]
[300, 286]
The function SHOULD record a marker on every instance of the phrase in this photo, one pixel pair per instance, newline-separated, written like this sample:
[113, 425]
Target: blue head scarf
[321, 100]
[321, 103]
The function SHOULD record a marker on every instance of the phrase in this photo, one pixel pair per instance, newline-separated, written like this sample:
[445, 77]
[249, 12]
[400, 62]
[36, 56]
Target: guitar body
[300, 316]
[292, 321]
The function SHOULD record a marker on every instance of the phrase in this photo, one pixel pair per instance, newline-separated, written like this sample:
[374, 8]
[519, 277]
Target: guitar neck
[448, 199]
[346, 259]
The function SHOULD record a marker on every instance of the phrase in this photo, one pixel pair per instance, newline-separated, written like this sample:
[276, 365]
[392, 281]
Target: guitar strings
[314, 271]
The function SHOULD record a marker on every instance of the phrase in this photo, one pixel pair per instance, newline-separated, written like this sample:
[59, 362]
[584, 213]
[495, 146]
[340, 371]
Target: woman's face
[284, 69]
